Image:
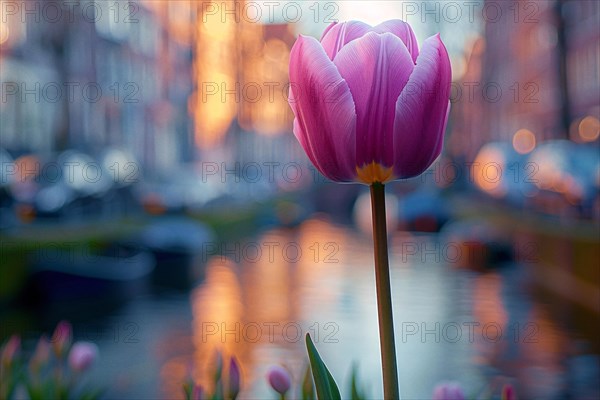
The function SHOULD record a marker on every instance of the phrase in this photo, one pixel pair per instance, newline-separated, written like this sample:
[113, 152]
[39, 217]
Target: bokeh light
[524, 141]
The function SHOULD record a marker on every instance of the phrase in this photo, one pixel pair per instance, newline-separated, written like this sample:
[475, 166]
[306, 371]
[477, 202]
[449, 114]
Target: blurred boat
[76, 279]
[558, 177]
[179, 246]
[476, 244]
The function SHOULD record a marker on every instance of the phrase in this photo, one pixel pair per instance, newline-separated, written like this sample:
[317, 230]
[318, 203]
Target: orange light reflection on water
[216, 308]
[254, 308]
[259, 307]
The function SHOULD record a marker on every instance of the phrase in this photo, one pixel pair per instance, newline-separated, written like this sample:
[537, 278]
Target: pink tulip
[61, 338]
[234, 378]
[9, 351]
[198, 393]
[448, 391]
[508, 392]
[369, 107]
[279, 379]
[82, 356]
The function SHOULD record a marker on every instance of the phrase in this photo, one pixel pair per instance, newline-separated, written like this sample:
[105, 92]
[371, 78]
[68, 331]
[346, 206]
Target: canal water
[260, 297]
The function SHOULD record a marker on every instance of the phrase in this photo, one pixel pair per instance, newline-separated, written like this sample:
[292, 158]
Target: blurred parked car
[558, 177]
[504, 174]
[72, 184]
[569, 172]
[180, 248]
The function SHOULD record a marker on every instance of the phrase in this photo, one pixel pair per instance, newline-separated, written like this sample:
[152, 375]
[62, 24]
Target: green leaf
[188, 387]
[355, 392]
[326, 387]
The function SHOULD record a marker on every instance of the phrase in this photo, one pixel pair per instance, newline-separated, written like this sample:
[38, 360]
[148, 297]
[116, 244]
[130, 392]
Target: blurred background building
[98, 74]
[532, 75]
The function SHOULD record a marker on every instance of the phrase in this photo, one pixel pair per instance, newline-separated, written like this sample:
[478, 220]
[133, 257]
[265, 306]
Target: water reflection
[217, 310]
[260, 307]
[260, 299]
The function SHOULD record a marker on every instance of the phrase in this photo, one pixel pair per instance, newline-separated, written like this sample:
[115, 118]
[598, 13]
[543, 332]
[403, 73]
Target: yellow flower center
[374, 172]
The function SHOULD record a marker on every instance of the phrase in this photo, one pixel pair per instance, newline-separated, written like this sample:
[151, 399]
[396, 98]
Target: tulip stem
[384, 294]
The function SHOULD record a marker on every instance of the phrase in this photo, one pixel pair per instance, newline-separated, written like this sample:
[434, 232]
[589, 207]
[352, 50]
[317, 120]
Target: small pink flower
[234, 378]
[279, 379]
[61, 338]
[448, 391]
[82, 356]
[9, 351]
[508, 392]
[198, 393]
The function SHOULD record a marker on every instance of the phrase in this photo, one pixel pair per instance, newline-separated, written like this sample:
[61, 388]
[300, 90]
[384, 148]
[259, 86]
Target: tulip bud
[61, 339]
[508, 392]
[234, 378]
[279, 379]
[193, 391]
[82, 356]
[448, 391]
[9, 351]
[198, 393]
[41, 356]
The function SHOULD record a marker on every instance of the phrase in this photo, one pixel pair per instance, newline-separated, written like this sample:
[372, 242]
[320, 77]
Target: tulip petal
[404, 32]
[329, 27]
[376, 68]
[422, 111]
[325, 122]
[337, 36]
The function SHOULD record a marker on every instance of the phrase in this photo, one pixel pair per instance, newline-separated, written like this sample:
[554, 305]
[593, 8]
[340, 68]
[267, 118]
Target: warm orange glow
[267, 277]
[324, 254]
[218, 311]
[13, 28]
[264, 107]
[589, 129]
[4, 32]
[238, 309]
[487, 171]
[490, 313]
[172, 373]
[241, 72]
[216, 99]
[524, 141]
[27, 168]
[549, 175]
